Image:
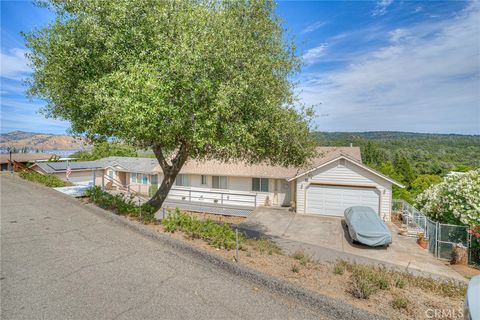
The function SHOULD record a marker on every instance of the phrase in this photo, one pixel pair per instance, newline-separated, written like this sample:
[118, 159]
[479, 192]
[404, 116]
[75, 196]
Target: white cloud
[426, 79]
[381, 7]
[398, 35]
[14, 64]
[314, 26]
[312, 55]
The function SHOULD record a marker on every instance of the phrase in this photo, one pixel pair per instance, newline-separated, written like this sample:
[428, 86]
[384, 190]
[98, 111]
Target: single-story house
[81, 172]
[330, 183]
[20, 158]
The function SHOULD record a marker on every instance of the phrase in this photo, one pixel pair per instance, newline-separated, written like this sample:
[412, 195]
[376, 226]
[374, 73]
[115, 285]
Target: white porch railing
[225, 198]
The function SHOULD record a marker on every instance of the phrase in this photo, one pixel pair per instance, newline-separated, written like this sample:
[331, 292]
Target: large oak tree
[188, 79]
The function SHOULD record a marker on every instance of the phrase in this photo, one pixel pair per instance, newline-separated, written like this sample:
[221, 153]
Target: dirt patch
[466, 271]
[408, 302]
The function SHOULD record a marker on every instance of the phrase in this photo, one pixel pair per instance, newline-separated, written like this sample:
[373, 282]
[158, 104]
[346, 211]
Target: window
[260, 184]
[183, 180]
[133, 177]
[219, 182]
[144, 179]
[154, 179]
[204, 181]
[110, 174]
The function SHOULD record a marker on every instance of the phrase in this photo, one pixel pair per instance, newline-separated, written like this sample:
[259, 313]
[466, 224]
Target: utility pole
[10, 167]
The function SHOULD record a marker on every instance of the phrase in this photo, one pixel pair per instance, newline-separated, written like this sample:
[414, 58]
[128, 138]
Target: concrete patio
[326, 239]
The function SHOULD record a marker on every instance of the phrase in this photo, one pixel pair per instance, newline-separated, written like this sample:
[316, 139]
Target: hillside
[417, 160]
[40, 141]
[429, 153]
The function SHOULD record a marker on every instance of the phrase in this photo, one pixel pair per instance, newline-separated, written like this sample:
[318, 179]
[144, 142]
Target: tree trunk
[170, 173]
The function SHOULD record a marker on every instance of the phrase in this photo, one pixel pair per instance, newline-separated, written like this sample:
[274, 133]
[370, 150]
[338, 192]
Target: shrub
[455, 200]
[400, 303]
[400, 283]
[362, 288]
[148, 213]
[295, 269]
[217, 235]
[302, 257]
[367, 280]
[339, 269]
[45, 179]
[120, 204]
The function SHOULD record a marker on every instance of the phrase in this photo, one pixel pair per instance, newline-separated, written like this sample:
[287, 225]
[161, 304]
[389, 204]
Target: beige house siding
[241, 185]
[343, 172]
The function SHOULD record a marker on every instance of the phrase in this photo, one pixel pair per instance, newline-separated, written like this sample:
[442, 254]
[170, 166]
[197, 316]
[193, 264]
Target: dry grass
[392, 294]
[263, 246]
[216, 217]
[302, 257]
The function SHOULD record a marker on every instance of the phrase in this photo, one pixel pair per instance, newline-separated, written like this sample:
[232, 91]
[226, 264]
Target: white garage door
[333, 200]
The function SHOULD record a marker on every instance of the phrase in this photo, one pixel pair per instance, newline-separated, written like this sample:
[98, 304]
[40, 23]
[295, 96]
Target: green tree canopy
[403, 167]
[106, 149]
[372, 154]
[423, 182]
[192, 78]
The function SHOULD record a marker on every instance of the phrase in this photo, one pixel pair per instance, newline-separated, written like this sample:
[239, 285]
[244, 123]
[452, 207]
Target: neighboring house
[21, 158]
[82, 172]
[328, 184]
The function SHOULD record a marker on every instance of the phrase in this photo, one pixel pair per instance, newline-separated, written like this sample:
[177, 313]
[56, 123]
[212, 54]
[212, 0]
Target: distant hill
[40, 141]
[386, 135]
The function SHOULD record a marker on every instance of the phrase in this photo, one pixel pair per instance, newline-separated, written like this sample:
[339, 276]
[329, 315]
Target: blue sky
[368, 65]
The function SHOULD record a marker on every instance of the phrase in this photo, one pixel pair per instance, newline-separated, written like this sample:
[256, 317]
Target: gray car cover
[365, 226]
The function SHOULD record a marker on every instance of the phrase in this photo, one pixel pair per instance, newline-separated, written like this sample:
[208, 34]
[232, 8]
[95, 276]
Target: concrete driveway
[327, 239]
[61, 261]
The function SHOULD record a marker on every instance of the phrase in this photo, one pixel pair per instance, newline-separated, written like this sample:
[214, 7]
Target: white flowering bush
[455, 200]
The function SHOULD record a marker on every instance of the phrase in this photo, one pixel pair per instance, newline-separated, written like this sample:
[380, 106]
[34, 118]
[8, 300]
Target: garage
[331, 187]
[333, 200]
[81, 178]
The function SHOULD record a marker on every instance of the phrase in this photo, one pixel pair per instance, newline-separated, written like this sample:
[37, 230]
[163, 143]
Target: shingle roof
[132, 164]
[240, 169]
[210, 167]
[24, 157]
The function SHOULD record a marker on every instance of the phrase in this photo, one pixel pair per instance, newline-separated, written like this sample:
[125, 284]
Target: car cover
[365, 226]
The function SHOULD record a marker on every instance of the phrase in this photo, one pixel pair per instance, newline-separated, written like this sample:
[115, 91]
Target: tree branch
[157, 150]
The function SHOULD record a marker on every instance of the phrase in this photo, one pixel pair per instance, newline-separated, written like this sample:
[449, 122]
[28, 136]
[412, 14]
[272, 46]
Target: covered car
[365, 226]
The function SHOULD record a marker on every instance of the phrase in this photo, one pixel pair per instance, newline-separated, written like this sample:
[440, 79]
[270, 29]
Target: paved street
[60, 261]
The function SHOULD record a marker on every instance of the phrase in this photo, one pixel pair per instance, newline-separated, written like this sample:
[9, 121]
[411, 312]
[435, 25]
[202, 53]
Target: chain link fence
[441, 237]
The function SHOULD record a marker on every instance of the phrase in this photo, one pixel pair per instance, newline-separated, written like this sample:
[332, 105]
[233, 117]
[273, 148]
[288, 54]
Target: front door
[122, 176]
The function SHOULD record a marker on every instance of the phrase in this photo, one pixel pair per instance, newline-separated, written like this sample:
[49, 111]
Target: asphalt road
[61, 261]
